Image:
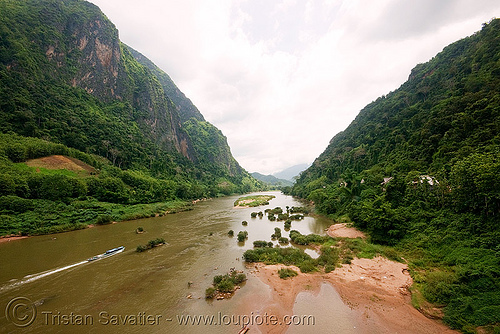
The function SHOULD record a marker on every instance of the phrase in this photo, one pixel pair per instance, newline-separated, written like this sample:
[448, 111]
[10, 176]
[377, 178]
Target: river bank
[375, 290]
[50, 217]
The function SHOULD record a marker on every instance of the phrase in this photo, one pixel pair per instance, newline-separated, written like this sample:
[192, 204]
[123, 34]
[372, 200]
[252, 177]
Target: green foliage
[242, 236]
[283, 240]
[151, 244]
[277, 233]
[104, 219]
[419, 169]
[210, 292]
[309, 239]
[253, 201]
[116, 117]
[287, 256]
[260, 243]
[225, 283]
[285, 273]
[230, 233]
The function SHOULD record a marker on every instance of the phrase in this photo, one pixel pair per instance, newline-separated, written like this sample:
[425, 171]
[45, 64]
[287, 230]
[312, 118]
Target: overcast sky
[281, 78]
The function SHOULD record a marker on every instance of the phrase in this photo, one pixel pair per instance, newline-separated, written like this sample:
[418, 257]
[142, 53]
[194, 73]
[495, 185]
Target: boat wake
[33, 277]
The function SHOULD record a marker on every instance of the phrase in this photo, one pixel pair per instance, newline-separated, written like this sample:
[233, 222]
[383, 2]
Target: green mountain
[272, 180]
[68, 86]
[419, 169]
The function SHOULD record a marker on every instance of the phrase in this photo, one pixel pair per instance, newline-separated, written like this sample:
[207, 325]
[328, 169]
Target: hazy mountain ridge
[292, 172]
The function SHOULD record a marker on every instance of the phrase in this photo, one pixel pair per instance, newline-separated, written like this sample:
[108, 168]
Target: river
[132, 292]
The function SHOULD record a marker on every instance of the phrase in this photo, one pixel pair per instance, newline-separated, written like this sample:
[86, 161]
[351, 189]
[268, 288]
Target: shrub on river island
[151, 244]
[253, 201]
[261, 243]
[230, 233]
[283, 240]
[242, 236]
[244, 223]
[276, 234]
[223, 284]
[334, 251]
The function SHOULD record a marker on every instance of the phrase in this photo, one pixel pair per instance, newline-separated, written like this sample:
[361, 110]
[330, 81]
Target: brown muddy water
[46, 284]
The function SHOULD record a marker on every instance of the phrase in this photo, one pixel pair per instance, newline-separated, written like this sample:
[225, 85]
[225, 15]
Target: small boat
[107, 253]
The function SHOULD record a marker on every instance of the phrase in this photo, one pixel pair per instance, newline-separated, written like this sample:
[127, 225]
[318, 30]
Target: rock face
[88, 46]
[52, 49]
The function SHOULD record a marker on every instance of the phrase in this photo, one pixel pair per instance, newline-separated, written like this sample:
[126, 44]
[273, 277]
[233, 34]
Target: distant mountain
[272, 180]
[291, 172]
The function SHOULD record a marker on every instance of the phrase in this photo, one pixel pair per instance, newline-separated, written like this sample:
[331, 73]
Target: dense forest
[419, 169]
[69, 87]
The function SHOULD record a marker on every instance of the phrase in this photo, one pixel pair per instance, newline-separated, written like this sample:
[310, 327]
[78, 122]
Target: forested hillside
[68, 86]
[419, 169]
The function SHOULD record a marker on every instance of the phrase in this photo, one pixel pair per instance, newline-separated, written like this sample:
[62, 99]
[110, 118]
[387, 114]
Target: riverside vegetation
[69, 87]
[255, 200]
[419, 169]
[151, 244]
[225, 285]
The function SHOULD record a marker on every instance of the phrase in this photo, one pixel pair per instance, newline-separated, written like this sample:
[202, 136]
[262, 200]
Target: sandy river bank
[375, 290]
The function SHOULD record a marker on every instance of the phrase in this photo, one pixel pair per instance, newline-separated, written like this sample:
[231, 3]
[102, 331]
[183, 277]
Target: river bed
[149, 292]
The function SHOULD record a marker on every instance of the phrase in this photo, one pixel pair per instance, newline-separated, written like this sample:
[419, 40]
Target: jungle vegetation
[419, 169]
[69, 87]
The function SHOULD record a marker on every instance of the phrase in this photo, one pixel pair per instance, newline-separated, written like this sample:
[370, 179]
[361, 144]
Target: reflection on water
[330, 313]
[134, 285]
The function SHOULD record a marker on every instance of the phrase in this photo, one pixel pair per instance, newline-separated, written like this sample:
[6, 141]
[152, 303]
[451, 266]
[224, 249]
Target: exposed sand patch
[376, 289]
[341, 230]
[12, 237]
[60, 162]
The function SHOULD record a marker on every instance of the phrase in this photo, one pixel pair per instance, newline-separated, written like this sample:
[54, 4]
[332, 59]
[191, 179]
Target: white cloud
[280, 79]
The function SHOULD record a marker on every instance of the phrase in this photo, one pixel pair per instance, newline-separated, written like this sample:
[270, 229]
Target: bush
[282, 216]
[307, 266]
[253, 214]
[244, 223]
[283, 240]
[140, 249]
[285, 273]
[225, 283]
[260, 243]
[225, 286]
[16, 204]
[104, 219]
[210, 292]
[242, 236]
[230, 233]
[151, 244]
